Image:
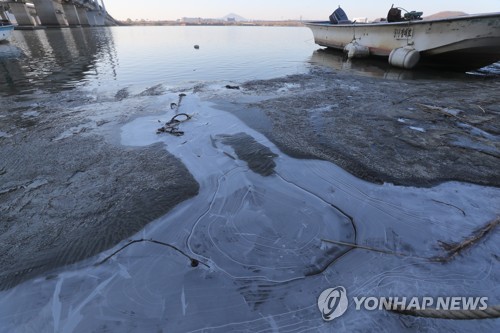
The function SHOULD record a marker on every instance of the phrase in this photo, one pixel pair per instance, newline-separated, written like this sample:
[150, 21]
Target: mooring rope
[172, 126]
[491, 312]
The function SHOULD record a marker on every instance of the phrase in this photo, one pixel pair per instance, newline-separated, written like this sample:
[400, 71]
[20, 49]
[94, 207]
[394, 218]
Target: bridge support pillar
[71, 14]
[83, 17]
[50, 12]
[21, 13]
[96, 17]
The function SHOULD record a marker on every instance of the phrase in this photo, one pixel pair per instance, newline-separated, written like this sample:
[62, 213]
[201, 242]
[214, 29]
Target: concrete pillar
[83, 17]
[21, 14]
[91, 17]
[101, 18]
[96, 17]
[50, 13]
[96, 4]
[103, 7]
[71, 14]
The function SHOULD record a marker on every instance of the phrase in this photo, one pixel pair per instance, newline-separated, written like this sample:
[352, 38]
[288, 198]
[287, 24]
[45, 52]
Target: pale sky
[284, 9]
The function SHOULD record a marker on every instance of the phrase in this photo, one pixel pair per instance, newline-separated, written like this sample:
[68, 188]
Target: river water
[113, 58]
[144, 56]
[260, 227]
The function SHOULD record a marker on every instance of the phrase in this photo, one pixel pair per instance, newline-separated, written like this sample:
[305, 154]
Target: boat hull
[6, 32]
[467, 42]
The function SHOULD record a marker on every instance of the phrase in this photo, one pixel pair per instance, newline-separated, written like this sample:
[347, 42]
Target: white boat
[6, 29]
[459, 43]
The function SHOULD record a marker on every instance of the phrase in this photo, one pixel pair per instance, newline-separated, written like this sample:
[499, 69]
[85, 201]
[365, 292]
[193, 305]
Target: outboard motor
[339, 17]
[394, 15]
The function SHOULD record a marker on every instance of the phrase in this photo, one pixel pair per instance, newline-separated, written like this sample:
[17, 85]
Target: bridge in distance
[29, 14]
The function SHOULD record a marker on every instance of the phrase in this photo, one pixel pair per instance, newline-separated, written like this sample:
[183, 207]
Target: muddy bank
[69, 189]
[269, 238]
[416, 133]
[68, 192]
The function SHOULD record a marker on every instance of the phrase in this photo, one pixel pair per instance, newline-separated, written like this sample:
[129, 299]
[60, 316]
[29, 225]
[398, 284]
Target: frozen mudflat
[257, 228]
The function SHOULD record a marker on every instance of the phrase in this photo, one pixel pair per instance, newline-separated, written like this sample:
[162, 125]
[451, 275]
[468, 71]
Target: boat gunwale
[413, 22]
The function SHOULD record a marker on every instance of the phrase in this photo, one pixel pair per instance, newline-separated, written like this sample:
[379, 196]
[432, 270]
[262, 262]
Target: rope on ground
[491, 312]
[366, 248]
[452, 250]
[194, 262]
[172, 126]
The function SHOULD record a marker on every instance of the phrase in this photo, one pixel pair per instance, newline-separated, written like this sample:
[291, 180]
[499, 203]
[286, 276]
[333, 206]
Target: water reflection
[113, 58]
[110, 59]
[368, 67]
[380, 68]
[54, 59]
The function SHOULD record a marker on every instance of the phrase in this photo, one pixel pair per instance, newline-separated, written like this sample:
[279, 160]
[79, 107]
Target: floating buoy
[404, 57]
[354, 50]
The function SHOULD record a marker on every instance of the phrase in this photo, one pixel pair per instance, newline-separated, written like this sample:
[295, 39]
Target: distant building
[191, 20]
[201, 21]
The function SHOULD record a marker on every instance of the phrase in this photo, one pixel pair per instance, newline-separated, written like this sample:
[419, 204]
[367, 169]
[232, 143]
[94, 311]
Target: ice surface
[453, 112]
[261, 237]
[479, 132]
[29, 114]
[418, 129]
[5, 135]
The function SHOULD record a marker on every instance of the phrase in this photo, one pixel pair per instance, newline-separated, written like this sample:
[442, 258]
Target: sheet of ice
[30, 114]
[453, 112]
[5, 135]
[479, 132]
[76, 130]
[261, 238]
[289, 86]
[467, 142]
[418, 129]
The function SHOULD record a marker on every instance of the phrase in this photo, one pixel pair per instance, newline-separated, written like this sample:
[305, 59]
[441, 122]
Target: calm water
[112, 58]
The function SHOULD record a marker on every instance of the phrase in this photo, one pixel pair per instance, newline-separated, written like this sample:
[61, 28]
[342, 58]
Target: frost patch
[76, 130]
[418, 129]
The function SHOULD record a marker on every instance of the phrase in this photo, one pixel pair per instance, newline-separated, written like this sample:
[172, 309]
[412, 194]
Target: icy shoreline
[261, 237]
